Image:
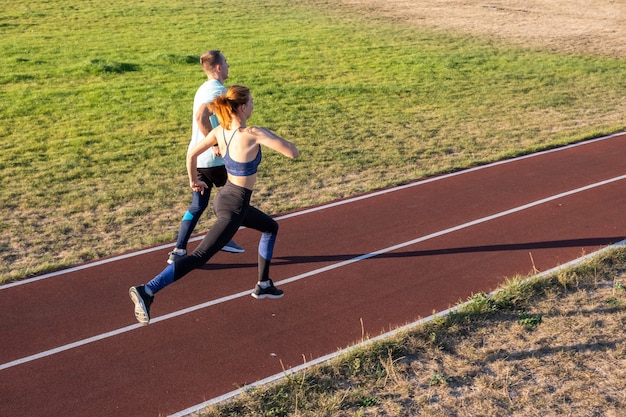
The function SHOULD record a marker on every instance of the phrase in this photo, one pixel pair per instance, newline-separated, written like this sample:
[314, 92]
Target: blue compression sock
[165, 278]
[266, 245]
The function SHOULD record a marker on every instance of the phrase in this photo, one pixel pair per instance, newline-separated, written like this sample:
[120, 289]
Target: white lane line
[384, 336]
[311, 210]
[310, 273]
[453, 229]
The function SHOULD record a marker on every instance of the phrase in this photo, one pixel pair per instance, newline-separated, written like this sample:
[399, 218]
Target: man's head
[214, 65]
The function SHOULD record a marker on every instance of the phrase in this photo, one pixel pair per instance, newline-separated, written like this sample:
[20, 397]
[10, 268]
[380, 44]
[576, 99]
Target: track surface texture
[350, 270]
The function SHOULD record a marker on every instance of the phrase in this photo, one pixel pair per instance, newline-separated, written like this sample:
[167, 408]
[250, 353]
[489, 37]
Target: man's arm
[203, 118]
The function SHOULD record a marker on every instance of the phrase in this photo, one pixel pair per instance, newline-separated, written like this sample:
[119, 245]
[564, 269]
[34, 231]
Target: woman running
[240, 147]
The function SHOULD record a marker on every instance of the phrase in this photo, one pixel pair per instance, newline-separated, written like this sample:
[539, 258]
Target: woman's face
[249, 107]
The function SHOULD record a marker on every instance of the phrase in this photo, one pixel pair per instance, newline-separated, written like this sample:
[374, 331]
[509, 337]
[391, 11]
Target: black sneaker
[232, 247]
[269, 292]
[175, 255]
[142, 301]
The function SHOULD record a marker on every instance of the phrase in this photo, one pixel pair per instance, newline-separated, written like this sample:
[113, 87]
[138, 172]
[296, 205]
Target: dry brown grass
[571, 364]
[576, 26]
[552, 346]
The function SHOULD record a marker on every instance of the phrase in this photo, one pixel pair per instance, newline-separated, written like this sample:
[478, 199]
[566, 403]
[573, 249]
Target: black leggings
[233, 209]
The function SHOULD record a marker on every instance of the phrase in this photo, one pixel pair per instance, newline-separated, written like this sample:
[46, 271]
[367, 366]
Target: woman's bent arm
[268, 138]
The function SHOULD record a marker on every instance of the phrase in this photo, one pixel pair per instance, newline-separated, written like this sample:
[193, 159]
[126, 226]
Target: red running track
[365, 265]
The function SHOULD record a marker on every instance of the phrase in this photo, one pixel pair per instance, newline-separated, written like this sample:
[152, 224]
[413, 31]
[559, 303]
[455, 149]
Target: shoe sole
[232, 250]
[141, 313]
[262, 296]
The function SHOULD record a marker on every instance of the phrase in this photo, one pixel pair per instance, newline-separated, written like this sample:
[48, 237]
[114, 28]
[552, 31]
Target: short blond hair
[210, 59]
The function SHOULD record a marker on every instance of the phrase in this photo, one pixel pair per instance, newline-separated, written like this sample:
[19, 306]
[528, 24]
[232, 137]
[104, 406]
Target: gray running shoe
[175, 255]
[232, 247]
[142, 303]
[269, 292]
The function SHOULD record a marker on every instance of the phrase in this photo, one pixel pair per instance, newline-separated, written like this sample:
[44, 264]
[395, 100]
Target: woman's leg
[230, 207]
[143, 295]
[256, 219]
[221, 232]
[218, 176]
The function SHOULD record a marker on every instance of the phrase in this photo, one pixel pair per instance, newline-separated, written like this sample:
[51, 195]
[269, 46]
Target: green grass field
[96, 111]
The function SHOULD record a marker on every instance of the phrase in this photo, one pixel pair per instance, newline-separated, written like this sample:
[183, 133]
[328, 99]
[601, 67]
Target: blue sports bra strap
[231, 137]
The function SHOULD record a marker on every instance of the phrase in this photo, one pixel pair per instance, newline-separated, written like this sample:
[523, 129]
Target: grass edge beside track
[289, 388]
